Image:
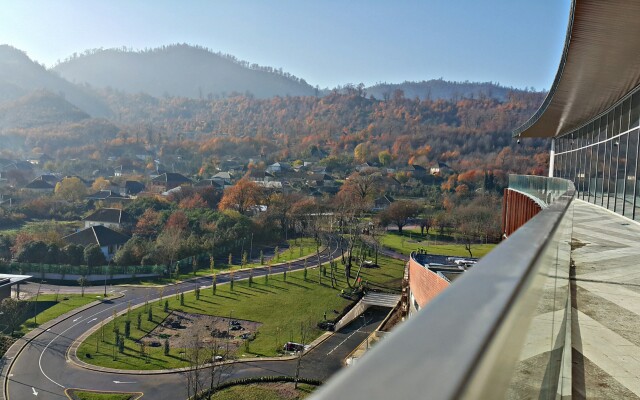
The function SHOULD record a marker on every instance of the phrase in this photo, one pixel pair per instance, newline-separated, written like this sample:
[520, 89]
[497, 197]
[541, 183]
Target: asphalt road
[42, 370]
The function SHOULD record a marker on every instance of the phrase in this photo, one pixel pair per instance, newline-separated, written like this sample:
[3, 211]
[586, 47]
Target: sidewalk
[606, 301]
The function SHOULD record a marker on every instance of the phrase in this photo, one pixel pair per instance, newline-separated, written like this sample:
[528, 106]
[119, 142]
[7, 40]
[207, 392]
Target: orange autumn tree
[241, 196]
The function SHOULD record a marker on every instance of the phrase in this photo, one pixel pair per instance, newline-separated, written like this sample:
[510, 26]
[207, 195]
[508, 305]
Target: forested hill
[179, 70]
[440, 89]
[19, 76]
[38, 108]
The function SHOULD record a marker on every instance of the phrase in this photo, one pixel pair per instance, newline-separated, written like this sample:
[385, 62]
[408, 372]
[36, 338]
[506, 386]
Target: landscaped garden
[276, 310]
[90, 395]
[265, 391]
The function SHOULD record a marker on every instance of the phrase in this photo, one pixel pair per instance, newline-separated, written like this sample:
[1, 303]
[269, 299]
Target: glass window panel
[589, 164]
[621, 172]
[595, 163]
[580, 172]
[635, 110]
[601, 171]
[613, 170]
[609, 164]
[632, 173]
[624, 121]
[616, 121]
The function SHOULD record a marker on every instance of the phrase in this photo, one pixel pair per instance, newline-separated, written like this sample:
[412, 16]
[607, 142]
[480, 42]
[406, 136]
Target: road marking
[122, 382]
[90, 321]
[77, 319]
[341, 343]
[60, 334]
[34, 391]
[10, 375]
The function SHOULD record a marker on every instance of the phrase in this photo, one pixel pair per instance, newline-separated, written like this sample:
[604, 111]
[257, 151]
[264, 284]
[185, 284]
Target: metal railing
[502, 330]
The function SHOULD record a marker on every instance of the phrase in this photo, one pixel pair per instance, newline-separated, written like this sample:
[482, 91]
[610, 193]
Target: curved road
[42, 370]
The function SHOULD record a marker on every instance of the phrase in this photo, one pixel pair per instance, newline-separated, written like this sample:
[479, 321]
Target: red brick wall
[424, 284]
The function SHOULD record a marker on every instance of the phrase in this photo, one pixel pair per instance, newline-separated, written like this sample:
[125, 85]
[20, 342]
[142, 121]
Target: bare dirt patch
[180, 327]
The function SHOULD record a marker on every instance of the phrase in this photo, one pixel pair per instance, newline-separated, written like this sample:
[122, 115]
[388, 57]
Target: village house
[107, 239]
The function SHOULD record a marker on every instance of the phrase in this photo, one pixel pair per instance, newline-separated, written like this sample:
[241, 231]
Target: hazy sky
[329, 42]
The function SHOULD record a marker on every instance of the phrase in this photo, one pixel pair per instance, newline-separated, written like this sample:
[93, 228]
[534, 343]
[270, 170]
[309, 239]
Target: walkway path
[606, 301]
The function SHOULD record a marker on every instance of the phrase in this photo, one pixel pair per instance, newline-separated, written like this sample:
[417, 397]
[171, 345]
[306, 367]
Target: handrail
[468, 340]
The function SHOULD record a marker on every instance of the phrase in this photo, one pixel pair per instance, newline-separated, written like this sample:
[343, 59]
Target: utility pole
[105, 280]
[251, 248]
[35, 304]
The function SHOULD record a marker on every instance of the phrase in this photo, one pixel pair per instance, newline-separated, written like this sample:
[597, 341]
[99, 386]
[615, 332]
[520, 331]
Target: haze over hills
[19, 75]
[38, 108]
[179, 70]
[440, 89]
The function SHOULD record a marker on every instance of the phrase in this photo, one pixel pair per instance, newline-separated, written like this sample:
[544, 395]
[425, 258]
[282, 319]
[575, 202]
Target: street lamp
[35, 304]
[105, 280]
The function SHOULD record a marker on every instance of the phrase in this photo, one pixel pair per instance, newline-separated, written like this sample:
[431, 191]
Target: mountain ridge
[181, 71]
[19, 75]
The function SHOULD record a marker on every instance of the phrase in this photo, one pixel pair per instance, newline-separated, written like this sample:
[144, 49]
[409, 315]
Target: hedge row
[262, 379]
[16, 267]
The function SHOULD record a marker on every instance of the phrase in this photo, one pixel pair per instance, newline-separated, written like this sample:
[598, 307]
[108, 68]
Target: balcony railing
[500, 331]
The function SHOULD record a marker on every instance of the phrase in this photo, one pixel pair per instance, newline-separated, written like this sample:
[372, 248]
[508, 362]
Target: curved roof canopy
[600, 64]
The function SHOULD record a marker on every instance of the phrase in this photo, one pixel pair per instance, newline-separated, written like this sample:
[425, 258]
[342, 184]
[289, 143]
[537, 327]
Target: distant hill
[19, 75]
[179, 70]
[37, 109]
[440, 89]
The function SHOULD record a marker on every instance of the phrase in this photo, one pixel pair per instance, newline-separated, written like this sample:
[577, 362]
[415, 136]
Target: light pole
[35, 304]
[251, 248]
[106, 267]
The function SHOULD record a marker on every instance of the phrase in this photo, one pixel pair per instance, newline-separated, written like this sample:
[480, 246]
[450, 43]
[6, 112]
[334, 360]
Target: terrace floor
[606, 305]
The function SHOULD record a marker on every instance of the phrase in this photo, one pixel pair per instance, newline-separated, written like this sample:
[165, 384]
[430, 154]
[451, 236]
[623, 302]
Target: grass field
[85, 395]
[48, 308]
[410, 241]
[281, 306]
[268, 391]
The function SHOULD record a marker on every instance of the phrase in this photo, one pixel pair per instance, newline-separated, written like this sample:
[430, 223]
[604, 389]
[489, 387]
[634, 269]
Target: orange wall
[424, 284]
[517, 210]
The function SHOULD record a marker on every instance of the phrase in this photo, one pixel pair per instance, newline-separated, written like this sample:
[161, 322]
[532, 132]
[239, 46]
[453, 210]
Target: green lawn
[86, 395]
[406, 243]
[268, 391]
[281, 306]
[48, 308]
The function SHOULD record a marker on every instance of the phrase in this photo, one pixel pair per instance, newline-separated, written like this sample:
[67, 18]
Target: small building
[107, 239]
[39, 186]
[132, 188]
[109, 217]
[278, 168]
[382, 203]
[417, 171]
[170, 180]
[210, 183]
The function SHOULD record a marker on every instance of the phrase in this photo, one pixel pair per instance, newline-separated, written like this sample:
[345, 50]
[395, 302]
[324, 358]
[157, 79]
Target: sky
[516, 43]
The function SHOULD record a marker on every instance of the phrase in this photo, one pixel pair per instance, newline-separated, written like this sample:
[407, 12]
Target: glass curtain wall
[601, 158]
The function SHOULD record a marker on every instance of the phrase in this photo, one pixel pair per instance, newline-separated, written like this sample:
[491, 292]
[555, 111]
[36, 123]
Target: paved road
[42, 366]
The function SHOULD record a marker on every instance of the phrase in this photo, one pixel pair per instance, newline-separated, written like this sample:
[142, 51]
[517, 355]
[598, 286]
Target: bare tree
[196, 356]
[218, 368]
[305, 332]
